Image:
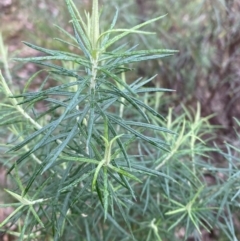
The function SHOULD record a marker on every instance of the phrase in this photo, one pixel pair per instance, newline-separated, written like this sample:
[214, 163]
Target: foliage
[90, 156]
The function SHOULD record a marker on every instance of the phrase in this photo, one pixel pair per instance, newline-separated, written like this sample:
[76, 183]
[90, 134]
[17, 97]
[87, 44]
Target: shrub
[91, 158]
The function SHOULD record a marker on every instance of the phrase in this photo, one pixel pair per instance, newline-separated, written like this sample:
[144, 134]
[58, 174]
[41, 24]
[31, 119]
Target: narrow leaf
[123, 172]
[96, 174]
[118, 37]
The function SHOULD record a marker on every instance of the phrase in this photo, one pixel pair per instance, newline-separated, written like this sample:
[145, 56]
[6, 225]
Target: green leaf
[148, 90]
[149, 171]
[105, 192]
[85, 45]
[77, 181]
[148, 126]
[139, 53]
[106, 37]
[65, 32]
[31, 79]
[123, 30]
[115, 91]
[113, 131]
[99, 193]
[117, 79]
[90, 121]
[95, 25]
[136, 133]
[57, 151]
[81, 44]
[66, 42]
[80, 159]
[118, 37]
[100, 164]
[123, 172]
[7, 220]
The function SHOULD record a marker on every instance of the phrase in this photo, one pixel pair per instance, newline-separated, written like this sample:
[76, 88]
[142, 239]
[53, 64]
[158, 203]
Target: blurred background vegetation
[206, 33]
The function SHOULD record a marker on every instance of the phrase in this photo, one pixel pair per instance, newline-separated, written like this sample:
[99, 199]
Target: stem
[122, 100]
[94, 73]
[20, 109]
[4, 53]
[94, 62]
[15, 103]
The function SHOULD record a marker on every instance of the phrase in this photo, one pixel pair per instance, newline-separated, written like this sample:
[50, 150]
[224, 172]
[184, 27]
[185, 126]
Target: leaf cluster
[97, 161]
[75, 147]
